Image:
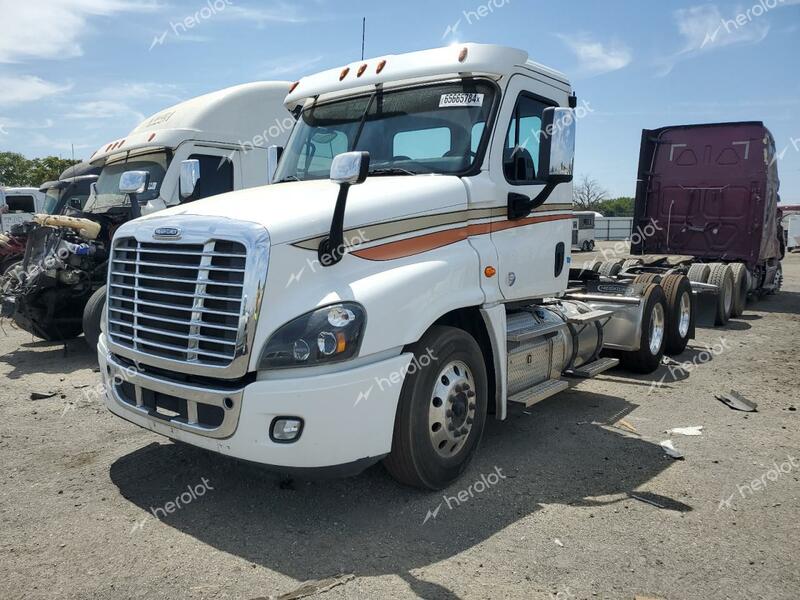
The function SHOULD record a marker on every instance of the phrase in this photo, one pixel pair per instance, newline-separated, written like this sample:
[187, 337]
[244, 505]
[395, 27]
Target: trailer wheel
[647, 278]
[610, 268]
[441, 412]
[722, 276]
[651, 343]
[741, 288]
[92, 315]
[680, 312]
[596, 265]
[699, 273]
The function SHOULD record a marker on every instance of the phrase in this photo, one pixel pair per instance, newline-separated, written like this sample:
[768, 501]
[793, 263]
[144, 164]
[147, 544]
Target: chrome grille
[177, 301]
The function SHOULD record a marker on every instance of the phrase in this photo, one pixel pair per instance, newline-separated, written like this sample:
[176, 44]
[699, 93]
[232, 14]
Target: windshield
[432, 129]
[108, 196]
[52, 196]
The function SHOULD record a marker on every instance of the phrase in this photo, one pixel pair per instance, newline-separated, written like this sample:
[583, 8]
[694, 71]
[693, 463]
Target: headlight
[325, 335]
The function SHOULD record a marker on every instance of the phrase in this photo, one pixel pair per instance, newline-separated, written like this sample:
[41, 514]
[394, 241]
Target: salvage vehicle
[710, 194]
[219, 141]
[18, 205]
[68, 193]
[407, 274]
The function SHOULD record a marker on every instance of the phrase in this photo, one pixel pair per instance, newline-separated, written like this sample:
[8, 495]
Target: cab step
[539, 392]
[594, 368]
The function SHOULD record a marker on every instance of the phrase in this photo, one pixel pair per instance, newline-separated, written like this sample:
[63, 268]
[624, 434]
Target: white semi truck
[223, 137]
[406, 275]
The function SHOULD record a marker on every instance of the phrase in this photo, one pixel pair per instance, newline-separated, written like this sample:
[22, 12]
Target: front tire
[441, 412]
[92, 315]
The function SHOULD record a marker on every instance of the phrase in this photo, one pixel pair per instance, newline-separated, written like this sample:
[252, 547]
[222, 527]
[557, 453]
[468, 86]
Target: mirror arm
[331, 249]
[136, 210]
[542, 196]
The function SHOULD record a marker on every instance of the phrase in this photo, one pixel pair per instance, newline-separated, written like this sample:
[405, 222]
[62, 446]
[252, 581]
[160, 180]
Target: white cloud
[595, 57]
[704, 28]
[53, 29]
[103, 109]
[280, 13]
[296, 67]
[18, 89]
[121, 101]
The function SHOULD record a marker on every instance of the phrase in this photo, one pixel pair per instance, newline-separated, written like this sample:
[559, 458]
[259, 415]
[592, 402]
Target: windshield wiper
[288, 178]
[391, 171]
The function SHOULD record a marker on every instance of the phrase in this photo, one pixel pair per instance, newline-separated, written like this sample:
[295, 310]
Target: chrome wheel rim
[728, 291]
[656, 328]
[685, 315]
[451, 411]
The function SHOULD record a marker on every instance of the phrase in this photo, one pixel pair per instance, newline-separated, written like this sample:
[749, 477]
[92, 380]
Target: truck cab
[221, 138]
[407, 274]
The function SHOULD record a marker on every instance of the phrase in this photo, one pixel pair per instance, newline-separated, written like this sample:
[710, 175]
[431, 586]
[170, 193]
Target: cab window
[521, 152]
[216, 176]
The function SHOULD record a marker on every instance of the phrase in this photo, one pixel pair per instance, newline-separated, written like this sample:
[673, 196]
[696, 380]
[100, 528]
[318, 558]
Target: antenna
[363, 35]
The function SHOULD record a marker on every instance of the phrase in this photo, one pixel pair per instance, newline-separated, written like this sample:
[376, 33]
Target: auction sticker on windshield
[462, 99]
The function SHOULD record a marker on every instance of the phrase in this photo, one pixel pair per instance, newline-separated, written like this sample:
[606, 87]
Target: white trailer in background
[792, 227]
[583, 235]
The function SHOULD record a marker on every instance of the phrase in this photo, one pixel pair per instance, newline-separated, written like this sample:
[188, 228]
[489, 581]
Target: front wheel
[441, 412]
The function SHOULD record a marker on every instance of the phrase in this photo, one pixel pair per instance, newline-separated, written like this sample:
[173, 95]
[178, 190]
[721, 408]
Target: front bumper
[348, 415]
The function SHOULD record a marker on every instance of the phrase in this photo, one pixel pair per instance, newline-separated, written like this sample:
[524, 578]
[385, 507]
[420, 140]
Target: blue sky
[84, 72]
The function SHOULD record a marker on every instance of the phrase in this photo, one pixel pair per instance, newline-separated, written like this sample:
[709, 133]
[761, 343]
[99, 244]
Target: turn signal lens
[380, 66]
[344, 73]
[490, 271]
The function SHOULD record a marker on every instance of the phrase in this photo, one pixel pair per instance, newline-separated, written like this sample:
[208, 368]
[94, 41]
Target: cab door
[533, 251]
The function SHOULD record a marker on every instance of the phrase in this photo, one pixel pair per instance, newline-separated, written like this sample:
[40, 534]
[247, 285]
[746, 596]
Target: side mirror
[190, 175]
[557, 145]
[274, 154]
[134, 182]
[350, 168]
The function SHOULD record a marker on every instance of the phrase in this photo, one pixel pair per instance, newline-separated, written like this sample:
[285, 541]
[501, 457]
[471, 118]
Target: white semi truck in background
[223, 137]
[406, 275]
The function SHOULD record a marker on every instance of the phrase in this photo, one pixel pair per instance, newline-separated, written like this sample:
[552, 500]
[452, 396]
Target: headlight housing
[326, 335]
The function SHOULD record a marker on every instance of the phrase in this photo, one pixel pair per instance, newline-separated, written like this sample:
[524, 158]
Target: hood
[299, 210]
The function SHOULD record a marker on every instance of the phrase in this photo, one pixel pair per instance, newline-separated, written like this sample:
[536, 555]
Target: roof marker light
[344, 73]
[361, 70]
[150, 137]
[119, 145]
[380, 66]
[462, 56]
[109, 146]
[293, 87]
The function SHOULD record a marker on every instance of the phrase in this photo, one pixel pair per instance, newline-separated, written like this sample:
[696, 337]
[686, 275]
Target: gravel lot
[78, 486]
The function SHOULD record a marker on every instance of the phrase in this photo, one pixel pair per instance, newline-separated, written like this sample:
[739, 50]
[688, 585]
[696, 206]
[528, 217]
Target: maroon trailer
[708, 196]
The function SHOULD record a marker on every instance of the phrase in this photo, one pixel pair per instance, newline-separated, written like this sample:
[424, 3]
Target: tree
[618, 207]
[588, 194]
[47, 169]
[13, 169]
[18, 171]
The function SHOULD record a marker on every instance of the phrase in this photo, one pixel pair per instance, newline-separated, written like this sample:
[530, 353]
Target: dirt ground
[546, 510]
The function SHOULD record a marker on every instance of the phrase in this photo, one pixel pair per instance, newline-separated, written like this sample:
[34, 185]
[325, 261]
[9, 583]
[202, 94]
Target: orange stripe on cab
[431, 241]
